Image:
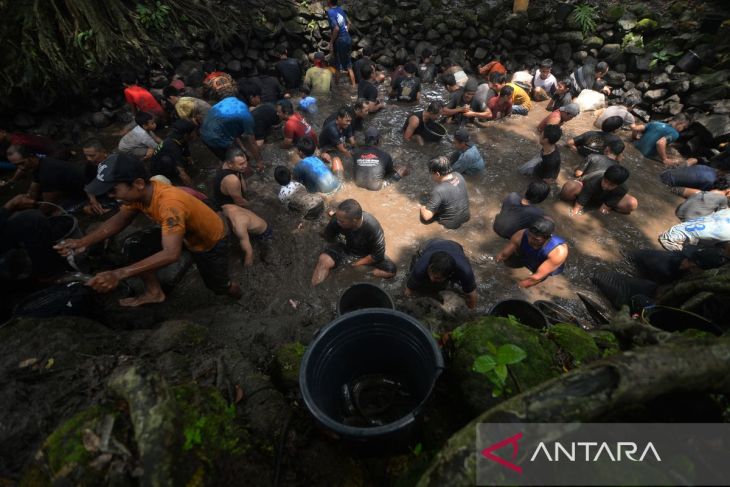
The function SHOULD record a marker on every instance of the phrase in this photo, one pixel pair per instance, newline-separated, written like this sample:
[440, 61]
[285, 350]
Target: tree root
[590, 393]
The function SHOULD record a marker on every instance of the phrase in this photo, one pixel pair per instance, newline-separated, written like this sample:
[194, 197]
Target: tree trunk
[591, 392]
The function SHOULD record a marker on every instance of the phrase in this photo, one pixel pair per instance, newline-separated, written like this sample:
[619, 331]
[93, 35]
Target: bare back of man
[245, 222]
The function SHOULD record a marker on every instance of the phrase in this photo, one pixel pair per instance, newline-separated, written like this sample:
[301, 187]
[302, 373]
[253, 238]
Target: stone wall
[640, 41]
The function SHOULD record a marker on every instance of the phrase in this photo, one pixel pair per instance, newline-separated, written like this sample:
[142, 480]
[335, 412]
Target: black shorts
[342, 256]
[213, 266]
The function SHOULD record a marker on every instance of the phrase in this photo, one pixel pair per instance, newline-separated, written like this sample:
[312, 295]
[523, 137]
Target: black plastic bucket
[525, 312]
[366, 343]
[673, 319]
[690, 62]
[363, 295]
[433, 131]
[63, 227]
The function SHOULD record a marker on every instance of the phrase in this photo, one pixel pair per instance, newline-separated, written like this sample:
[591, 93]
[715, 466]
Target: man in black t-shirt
[464, 106]
[371, 164]
[367, 90]
[172, 157]
[449, 201]
[604, 190]
[546, 165]
[438, 263]
[364, 243]
[594, 142]
[53, 180]
[518, 213]
[408, 88]
[600, 162]
[333, 138]
[271, 89]
[289, 70]
[265, 117]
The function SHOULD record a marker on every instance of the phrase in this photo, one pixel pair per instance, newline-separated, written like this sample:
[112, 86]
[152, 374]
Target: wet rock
[109, 103]
[615, 79]
[717, 125]
[628, 85]
[645, 25]
[702, 81]
[614, 13]
[627, 22]
[24, 120]
[562, 52]
[580, 57]
[594, 42]
[234, 67]
[679, 86]
[562, 11]
[719, 106]
[642, 62]
[432, 35]
[609, 50]
[641, 114]
[573, 37]
[661, 79]
[401, 55]
[474, 339]
[470, 33]
[100, 120]
[712, 93]
[655, 95]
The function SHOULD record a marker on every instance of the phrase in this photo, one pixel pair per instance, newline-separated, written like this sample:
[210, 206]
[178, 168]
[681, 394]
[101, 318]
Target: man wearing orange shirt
[185, 220]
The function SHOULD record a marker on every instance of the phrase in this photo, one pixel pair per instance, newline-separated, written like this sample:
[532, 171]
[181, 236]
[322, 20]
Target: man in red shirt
[140, 99]
[559, 116]
[295, 126]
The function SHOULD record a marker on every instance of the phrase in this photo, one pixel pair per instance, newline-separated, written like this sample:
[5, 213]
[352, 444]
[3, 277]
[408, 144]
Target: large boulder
[562, 52]
[473, 340]
[655, 95]
[702, 81]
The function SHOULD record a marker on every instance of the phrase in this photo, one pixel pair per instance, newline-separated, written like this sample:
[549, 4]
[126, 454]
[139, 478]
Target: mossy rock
[470, 341]
[645, 25]
[63, 456]
[212, 439]
[606, 342]
[575, 341]
[177, 335]
[287, 361]
[614, 12]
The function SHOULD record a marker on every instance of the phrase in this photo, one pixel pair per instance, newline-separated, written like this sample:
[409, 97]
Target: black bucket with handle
[363, 295]
[367, 375]
[524, 311]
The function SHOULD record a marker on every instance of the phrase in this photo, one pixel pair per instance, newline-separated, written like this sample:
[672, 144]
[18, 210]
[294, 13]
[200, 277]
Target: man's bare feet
[146, 298]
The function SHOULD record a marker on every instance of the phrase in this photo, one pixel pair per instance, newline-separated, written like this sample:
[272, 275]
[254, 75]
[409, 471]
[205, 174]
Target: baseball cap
[372, 134]
[705, 257]
[542, 227]
[571, 109]
[117, 168]
[461, 135]
[319, 55]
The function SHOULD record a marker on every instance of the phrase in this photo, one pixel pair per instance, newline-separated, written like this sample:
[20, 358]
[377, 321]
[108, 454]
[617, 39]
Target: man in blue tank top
[537, 249]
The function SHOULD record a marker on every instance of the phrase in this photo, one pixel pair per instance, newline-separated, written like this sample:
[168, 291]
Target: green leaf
[491, 348]
[483, 364]
[418, 449]
[510, 354]
[501, 372]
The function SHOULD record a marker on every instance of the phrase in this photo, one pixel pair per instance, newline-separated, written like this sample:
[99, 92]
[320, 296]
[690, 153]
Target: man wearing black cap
[172, 156]
[537, 249]
[184, 220]
[372, 164]
[466, 160]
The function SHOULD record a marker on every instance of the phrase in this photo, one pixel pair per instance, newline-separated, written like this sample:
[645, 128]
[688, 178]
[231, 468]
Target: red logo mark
[487, 452]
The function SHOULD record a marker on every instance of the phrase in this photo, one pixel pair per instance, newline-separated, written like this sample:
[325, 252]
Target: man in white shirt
[544, 83]
[141, 141]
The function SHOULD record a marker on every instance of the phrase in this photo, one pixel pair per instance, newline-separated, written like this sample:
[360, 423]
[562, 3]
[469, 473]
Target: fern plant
[585, 16]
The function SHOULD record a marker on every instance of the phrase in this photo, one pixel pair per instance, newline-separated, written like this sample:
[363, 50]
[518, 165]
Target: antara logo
[592, 451]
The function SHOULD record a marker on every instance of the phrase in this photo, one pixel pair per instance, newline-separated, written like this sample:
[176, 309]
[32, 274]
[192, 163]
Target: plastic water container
[361, 296]
[365, 343]
[525, 312]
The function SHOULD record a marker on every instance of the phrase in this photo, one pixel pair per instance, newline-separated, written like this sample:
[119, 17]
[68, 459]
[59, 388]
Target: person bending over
[437, 264]
[518, 212]
[605, 190]
[416, 126]
[449, 200]
[185, 221]
[364, 243]
[536, 248]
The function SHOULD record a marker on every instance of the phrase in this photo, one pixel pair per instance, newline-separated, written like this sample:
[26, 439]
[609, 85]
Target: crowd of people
[149, 173]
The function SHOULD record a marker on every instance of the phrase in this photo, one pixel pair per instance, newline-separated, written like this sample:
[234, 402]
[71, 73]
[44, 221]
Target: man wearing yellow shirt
[184, 220]
[521, 103]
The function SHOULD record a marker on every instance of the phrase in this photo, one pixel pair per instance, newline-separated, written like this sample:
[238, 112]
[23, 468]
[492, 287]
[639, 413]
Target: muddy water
[596, 241]
[278, 283]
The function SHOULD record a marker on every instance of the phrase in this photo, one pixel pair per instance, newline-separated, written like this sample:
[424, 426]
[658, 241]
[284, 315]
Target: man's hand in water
[605, 209]
[69, 247]
[104, 282]
[20, 202]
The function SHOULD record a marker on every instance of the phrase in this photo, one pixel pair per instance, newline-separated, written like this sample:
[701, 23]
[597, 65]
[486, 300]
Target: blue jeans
[520, 110]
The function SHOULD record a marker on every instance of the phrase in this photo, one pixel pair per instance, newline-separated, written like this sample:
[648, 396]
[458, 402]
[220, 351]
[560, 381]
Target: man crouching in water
[183, 218]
